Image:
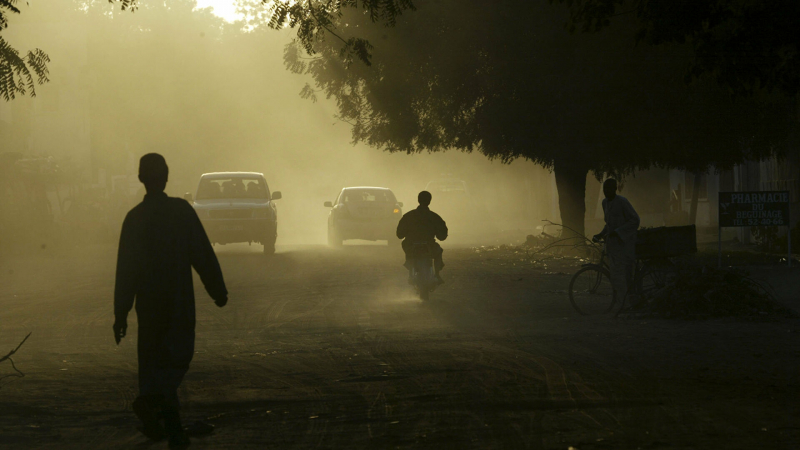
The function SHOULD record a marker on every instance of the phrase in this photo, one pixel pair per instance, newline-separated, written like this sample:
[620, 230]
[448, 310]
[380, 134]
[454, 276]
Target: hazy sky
[222, 8]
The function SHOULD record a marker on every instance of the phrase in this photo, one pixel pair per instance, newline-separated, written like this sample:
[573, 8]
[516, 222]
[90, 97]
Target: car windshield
[368, 195]
[233, 187]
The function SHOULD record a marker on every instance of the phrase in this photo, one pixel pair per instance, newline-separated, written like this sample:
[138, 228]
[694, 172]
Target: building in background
[773, 174]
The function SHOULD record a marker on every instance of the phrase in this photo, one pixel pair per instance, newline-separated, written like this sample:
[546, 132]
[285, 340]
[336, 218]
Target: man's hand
[221, 301]
[120, 329]
[597, 237]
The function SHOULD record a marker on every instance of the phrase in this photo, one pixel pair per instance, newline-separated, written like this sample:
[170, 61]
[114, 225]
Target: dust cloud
[210, 96]
[321, 347]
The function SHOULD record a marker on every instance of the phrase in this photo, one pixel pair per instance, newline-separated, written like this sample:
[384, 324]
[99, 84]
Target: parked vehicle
[463, 208]
[369, 213]
[237, 207]
[450, 187]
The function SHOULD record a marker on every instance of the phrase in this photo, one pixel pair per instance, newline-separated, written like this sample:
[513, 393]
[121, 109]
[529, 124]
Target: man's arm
[127, 271]
[402, 227]
[604, 232]
[441, 228]
[126, 278]
[205, 262]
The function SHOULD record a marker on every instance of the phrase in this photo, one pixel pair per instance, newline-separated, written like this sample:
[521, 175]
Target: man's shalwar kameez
[162, 239]
[622, 220]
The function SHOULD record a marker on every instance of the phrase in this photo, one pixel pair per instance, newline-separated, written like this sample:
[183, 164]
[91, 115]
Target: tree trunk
[571, 185]
[695, 197]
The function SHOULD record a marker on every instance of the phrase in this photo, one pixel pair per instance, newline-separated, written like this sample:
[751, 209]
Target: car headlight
[260, 213]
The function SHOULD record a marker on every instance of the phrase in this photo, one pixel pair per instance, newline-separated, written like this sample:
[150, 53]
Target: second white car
[364, 212]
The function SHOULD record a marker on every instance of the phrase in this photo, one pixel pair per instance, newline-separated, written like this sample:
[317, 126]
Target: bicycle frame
[649, 275]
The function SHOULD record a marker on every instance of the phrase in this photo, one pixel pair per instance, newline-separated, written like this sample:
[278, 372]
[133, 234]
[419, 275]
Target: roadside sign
[754, 209]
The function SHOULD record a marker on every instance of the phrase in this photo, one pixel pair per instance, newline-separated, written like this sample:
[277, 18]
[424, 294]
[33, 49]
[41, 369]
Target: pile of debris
[708, 292]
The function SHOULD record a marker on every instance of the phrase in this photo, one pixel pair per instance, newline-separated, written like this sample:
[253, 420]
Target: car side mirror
[276, 195]
[328, 205]
[400, 204]
[188, 197]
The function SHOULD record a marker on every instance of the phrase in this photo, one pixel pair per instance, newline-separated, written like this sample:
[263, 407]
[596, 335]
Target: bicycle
[591, 291]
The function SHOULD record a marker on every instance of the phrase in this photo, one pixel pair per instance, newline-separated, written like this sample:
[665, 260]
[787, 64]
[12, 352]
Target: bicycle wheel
[591, 292]
[653, 276]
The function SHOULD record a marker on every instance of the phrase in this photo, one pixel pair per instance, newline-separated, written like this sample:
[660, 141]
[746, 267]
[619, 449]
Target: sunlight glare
[222, 8]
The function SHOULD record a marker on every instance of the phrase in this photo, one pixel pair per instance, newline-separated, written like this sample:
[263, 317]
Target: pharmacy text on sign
[748, 209]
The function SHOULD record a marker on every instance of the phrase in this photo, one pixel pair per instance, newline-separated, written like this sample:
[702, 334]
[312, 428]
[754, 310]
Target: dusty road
[329, 349]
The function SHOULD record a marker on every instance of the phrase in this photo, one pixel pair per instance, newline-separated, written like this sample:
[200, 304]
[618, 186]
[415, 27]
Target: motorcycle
[423, 273]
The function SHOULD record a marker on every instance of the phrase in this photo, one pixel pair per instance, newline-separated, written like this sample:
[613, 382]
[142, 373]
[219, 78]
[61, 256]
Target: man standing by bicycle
[622, 223]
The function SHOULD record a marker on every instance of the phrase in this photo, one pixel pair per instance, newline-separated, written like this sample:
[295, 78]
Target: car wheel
[333, 238]
[269, 246]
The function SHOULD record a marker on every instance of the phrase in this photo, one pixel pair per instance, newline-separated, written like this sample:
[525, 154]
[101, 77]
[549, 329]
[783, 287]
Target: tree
[744, 45]
[506, 79]
[747, 46]
[19, 74]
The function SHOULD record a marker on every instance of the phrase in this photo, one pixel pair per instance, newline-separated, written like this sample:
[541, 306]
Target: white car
[237, 207]
[369, 213]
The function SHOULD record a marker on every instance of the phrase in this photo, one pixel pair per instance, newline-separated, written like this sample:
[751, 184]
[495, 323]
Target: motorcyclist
[421, 225]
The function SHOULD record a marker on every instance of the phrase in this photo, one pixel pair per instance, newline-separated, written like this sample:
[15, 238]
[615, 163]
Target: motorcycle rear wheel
[424, 293]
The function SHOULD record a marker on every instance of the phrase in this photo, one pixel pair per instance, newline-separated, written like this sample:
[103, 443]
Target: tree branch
[8, 357]
[319, 23]
[15, 350]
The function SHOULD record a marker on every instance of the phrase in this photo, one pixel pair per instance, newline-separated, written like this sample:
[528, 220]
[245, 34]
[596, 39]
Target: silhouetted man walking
[622, 223]
[162, 239]
[423, 225]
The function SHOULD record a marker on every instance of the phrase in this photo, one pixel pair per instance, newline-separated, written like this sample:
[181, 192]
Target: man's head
[153, 172]
[424, 198]
[610, 188]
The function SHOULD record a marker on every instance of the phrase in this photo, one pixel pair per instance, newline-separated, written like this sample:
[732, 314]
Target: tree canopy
[19, 74]
[508, 80]
[744, 45]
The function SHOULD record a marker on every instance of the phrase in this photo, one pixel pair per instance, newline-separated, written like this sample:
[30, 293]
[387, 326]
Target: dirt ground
[329, 349]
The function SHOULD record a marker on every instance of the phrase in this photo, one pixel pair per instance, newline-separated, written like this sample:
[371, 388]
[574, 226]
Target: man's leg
[164, 356]
[405, 245]
[407, 264]
[438, 261]
[148, 406]
[180, 347]
[621, 274]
